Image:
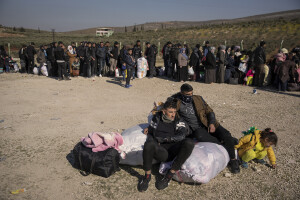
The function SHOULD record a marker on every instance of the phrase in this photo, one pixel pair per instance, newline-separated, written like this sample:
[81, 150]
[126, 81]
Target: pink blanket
[102, 141]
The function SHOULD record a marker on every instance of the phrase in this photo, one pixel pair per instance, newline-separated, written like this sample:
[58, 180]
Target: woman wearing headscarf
[182, 66]
[210, 66]
[72, 54]
[221, 69]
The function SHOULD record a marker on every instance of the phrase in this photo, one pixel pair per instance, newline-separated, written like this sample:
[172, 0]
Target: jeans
[167, 152]
[221, 136]
[101, 64]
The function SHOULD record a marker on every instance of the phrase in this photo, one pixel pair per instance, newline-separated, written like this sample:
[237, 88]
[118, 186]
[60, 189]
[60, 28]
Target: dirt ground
[41, 119]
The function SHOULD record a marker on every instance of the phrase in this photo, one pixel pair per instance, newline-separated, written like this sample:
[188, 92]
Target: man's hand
[146, 131]
[211, 128]
[274, 166]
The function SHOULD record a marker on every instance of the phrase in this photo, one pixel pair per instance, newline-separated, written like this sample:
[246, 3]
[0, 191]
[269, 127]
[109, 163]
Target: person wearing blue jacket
[130, 64]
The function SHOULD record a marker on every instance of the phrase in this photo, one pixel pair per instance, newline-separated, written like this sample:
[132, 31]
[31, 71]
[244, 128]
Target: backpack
[250, 131]
[102, 163]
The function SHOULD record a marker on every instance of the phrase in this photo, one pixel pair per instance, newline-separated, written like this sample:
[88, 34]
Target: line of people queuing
[202, 63]
[231, 65]
[88, 60]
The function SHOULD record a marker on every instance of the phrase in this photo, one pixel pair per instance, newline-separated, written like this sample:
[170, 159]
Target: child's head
[76, 59]
[268, 137]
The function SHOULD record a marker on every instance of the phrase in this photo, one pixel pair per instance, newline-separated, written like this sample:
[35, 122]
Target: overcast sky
[66, 15]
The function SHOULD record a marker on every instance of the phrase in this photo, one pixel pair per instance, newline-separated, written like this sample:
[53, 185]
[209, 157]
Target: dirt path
[44, 119]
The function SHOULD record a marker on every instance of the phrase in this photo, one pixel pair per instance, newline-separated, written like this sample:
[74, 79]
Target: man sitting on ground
[166, 140]
[203, 124]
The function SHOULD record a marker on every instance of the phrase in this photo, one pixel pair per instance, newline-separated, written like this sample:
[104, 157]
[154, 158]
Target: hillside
[273, 28]
[287, 15]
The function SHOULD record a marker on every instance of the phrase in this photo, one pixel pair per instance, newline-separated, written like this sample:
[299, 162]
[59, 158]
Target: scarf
[184, 55]
[70, 48]
[166, 119]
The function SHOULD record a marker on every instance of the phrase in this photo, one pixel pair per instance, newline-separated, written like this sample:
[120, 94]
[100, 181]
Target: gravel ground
[41, 120]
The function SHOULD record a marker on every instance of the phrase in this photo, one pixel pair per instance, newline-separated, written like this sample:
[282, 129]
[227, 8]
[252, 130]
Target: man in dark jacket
[195, 60]
[114, 55]
[23, 58]
[30, 56]
[51, 63]
[149, 55]
[174, 59]
[137, 53]
[167, 58]
[88, 58]
[203, 124]
[81, 54]
[61, 63]
[137, 50]
[94, 61]
[259, 62]
[107, 57]
[166, 141]
[101, 55]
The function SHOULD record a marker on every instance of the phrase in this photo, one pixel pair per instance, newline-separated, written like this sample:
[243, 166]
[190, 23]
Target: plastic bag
[16, 67]
[206, 161]
[117, 72]
[191, 71]
[35, 71]
[44, 70]
[142, 66]
[243, 67]
[133, 144]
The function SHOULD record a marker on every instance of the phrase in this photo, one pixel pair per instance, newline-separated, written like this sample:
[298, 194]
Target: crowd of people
[232, 65]
[201, 63]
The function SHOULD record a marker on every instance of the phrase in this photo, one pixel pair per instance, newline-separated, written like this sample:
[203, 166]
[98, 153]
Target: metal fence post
[8, 45]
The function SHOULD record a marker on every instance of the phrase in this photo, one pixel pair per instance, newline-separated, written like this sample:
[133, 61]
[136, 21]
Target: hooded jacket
[181, 130]
[249, 141]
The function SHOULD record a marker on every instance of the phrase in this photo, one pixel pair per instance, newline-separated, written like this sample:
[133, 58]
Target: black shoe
[233, 166]
[144, 183]
[163, 183]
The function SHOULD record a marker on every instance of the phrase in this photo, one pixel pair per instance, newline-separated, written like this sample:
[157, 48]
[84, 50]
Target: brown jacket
[182, 61]
[71, 60]
[204, 112]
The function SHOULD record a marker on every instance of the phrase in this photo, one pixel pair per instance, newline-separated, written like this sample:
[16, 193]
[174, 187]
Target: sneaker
[127, 86]
[144, 183]
[100, 75]
[163, 183]
[59, 79]
[261, 161]
[233, 166]
[244, 165]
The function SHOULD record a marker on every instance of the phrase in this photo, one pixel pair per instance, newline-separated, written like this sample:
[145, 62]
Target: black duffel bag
[102, 163]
